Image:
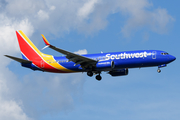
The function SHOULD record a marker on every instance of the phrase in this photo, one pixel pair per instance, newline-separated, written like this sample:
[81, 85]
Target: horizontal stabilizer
[18, 59]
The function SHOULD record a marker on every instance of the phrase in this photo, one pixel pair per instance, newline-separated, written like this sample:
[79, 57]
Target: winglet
[45, 40]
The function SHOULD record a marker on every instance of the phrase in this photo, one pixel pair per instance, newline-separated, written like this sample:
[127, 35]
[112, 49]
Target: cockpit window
[164, 53]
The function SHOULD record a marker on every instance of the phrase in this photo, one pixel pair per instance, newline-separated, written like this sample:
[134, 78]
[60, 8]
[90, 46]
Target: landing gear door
[154, 55]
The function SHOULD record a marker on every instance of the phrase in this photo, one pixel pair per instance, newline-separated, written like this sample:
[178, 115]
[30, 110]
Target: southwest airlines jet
[114, 63]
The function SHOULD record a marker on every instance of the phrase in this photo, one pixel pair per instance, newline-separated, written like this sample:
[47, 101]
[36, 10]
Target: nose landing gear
[160, 66]
[158, 70]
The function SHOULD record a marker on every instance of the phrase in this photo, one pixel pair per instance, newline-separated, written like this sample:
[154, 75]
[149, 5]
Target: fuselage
[119, 60]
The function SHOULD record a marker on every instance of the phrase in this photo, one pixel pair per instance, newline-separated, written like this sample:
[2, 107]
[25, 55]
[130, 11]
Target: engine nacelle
[105, 64]
[119, 72]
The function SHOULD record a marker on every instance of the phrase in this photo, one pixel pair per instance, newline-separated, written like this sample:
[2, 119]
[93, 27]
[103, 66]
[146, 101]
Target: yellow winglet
[45, 40]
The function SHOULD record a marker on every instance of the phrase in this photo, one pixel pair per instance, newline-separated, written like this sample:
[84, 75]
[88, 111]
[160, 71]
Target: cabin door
[154, 55]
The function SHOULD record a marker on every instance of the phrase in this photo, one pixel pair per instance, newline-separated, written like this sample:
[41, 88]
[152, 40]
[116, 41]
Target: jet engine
[105, 64]
[119, 72]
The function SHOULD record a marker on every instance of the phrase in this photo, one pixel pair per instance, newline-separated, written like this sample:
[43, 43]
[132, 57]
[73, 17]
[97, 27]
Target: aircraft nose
[172, 58]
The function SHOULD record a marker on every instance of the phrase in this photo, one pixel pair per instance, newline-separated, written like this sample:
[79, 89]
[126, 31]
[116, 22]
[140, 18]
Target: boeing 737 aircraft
[115, 63]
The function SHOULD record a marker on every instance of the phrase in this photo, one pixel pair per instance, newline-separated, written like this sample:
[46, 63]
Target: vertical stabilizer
[40, 61]
[28, 49]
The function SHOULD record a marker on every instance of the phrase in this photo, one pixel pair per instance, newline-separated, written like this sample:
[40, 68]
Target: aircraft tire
[98, 77]
[90, 73]
[158, 70]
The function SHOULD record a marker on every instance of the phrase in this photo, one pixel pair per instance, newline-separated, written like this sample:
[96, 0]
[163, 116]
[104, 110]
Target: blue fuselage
[119, 60]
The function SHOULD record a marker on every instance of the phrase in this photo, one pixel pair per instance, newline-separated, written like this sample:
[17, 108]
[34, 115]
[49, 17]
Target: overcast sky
[90, 26]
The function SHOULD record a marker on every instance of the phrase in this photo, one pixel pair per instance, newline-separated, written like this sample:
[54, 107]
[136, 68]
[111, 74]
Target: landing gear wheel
[98, 77]
[90, 73]
[158, 70]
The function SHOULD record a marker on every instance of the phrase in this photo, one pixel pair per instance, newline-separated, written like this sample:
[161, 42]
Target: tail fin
[28, 50]
[40, 61]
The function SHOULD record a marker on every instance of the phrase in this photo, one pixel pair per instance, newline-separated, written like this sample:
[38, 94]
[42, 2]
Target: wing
[85, 62]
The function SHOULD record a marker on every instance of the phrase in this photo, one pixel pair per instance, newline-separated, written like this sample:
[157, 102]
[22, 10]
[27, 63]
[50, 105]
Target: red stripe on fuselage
[33, 56]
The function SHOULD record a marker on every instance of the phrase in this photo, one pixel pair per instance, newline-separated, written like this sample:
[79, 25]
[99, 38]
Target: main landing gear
[98, 77]
[90, 73]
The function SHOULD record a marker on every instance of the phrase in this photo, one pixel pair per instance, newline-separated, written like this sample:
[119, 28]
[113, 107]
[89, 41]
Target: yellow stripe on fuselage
[51, 61]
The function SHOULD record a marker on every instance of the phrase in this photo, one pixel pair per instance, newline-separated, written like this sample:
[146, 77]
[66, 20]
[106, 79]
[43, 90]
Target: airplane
[114, 63]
